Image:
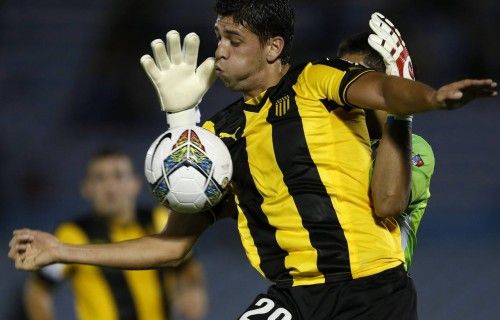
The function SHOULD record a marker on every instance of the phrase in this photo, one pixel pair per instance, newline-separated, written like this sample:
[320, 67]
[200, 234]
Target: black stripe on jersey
[308, 192]
[97, 231]
[353, 72]
[272, 256]
[331, 105]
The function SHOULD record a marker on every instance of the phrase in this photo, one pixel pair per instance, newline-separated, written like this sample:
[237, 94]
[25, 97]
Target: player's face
[111, 186]
[240, 55]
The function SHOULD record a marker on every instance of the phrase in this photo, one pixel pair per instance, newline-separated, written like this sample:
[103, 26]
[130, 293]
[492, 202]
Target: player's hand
[179, 84]
[32, 250]
[388, 42]
[455, 95]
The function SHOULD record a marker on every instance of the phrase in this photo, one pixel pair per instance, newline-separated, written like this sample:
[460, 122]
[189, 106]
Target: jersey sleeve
[423, 162]
[329, 79]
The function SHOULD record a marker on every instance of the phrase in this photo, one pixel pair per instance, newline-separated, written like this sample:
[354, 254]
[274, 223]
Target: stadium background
[70, 82]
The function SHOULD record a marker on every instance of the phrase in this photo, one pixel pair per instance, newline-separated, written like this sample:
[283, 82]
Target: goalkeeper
[404, 162]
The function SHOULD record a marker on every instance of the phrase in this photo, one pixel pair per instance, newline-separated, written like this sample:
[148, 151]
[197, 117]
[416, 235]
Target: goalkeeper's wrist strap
[392, 118]
[185, 118]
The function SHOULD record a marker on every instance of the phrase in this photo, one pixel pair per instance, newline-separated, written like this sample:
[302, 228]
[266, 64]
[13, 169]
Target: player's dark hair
[358, 44]
[106, 153]
[265, 18]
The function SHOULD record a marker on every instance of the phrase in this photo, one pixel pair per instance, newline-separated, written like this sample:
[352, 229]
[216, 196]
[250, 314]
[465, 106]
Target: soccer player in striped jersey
[302, 159]
[403, 154]
[111, 187]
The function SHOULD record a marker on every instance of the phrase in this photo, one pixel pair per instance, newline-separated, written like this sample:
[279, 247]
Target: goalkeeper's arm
[391, 177]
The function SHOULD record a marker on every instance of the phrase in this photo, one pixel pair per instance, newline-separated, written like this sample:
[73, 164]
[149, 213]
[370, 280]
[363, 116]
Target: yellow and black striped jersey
[301, 156]
[106, 293]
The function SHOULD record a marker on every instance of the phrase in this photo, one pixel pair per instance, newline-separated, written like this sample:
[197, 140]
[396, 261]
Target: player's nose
[221, 52]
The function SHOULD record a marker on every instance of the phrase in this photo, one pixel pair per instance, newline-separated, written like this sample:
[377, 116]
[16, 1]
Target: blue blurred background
[70, 82]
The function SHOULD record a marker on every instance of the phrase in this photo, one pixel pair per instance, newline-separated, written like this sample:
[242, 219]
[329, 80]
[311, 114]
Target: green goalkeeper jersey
[422, 159]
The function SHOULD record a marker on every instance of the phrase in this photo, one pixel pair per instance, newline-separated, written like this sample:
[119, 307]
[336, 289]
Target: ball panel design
[213, 193]
[201, 160]
[188, 169]
[160, 189]
[175, 159]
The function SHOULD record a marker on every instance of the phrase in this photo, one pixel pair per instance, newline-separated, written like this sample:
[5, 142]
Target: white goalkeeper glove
[179, 84]
[387, 41]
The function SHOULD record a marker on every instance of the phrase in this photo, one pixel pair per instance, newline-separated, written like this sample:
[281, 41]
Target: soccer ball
[188, 169]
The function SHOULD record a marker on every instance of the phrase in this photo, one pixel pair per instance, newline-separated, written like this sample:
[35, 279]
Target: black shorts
[387, 295]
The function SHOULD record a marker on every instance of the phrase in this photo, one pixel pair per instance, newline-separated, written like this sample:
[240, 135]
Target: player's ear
[275, 46]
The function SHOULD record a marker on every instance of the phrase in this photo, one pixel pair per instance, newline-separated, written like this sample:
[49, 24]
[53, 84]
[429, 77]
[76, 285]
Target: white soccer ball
[188, 169]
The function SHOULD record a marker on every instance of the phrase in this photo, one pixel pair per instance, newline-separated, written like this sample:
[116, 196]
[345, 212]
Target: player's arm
[32, 249]
[38, 300]
[191, 299]
[391, 178]
[375, 90]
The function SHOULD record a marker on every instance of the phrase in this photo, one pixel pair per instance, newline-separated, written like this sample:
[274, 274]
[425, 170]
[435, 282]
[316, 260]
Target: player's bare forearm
[144, 253]
[165, 249]
[391, 180]
[375, 90]
[32, 249]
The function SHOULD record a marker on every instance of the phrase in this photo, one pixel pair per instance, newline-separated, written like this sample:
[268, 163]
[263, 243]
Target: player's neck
[267, 78]
[124, 217]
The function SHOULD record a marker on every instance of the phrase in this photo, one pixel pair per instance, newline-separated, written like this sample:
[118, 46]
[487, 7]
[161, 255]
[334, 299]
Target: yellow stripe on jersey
[278, 206]
[247, 241]
[88, 281]
[318, 81]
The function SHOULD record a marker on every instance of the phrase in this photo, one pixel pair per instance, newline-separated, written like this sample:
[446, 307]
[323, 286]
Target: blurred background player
[404, 162]
[111, 186]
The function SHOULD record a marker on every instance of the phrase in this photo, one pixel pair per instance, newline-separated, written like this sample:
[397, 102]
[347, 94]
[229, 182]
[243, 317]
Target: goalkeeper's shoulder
[422, 155]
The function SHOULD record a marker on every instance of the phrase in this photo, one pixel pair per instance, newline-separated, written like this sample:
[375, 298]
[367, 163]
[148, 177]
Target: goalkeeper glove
[387, 41]
[178, 83]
